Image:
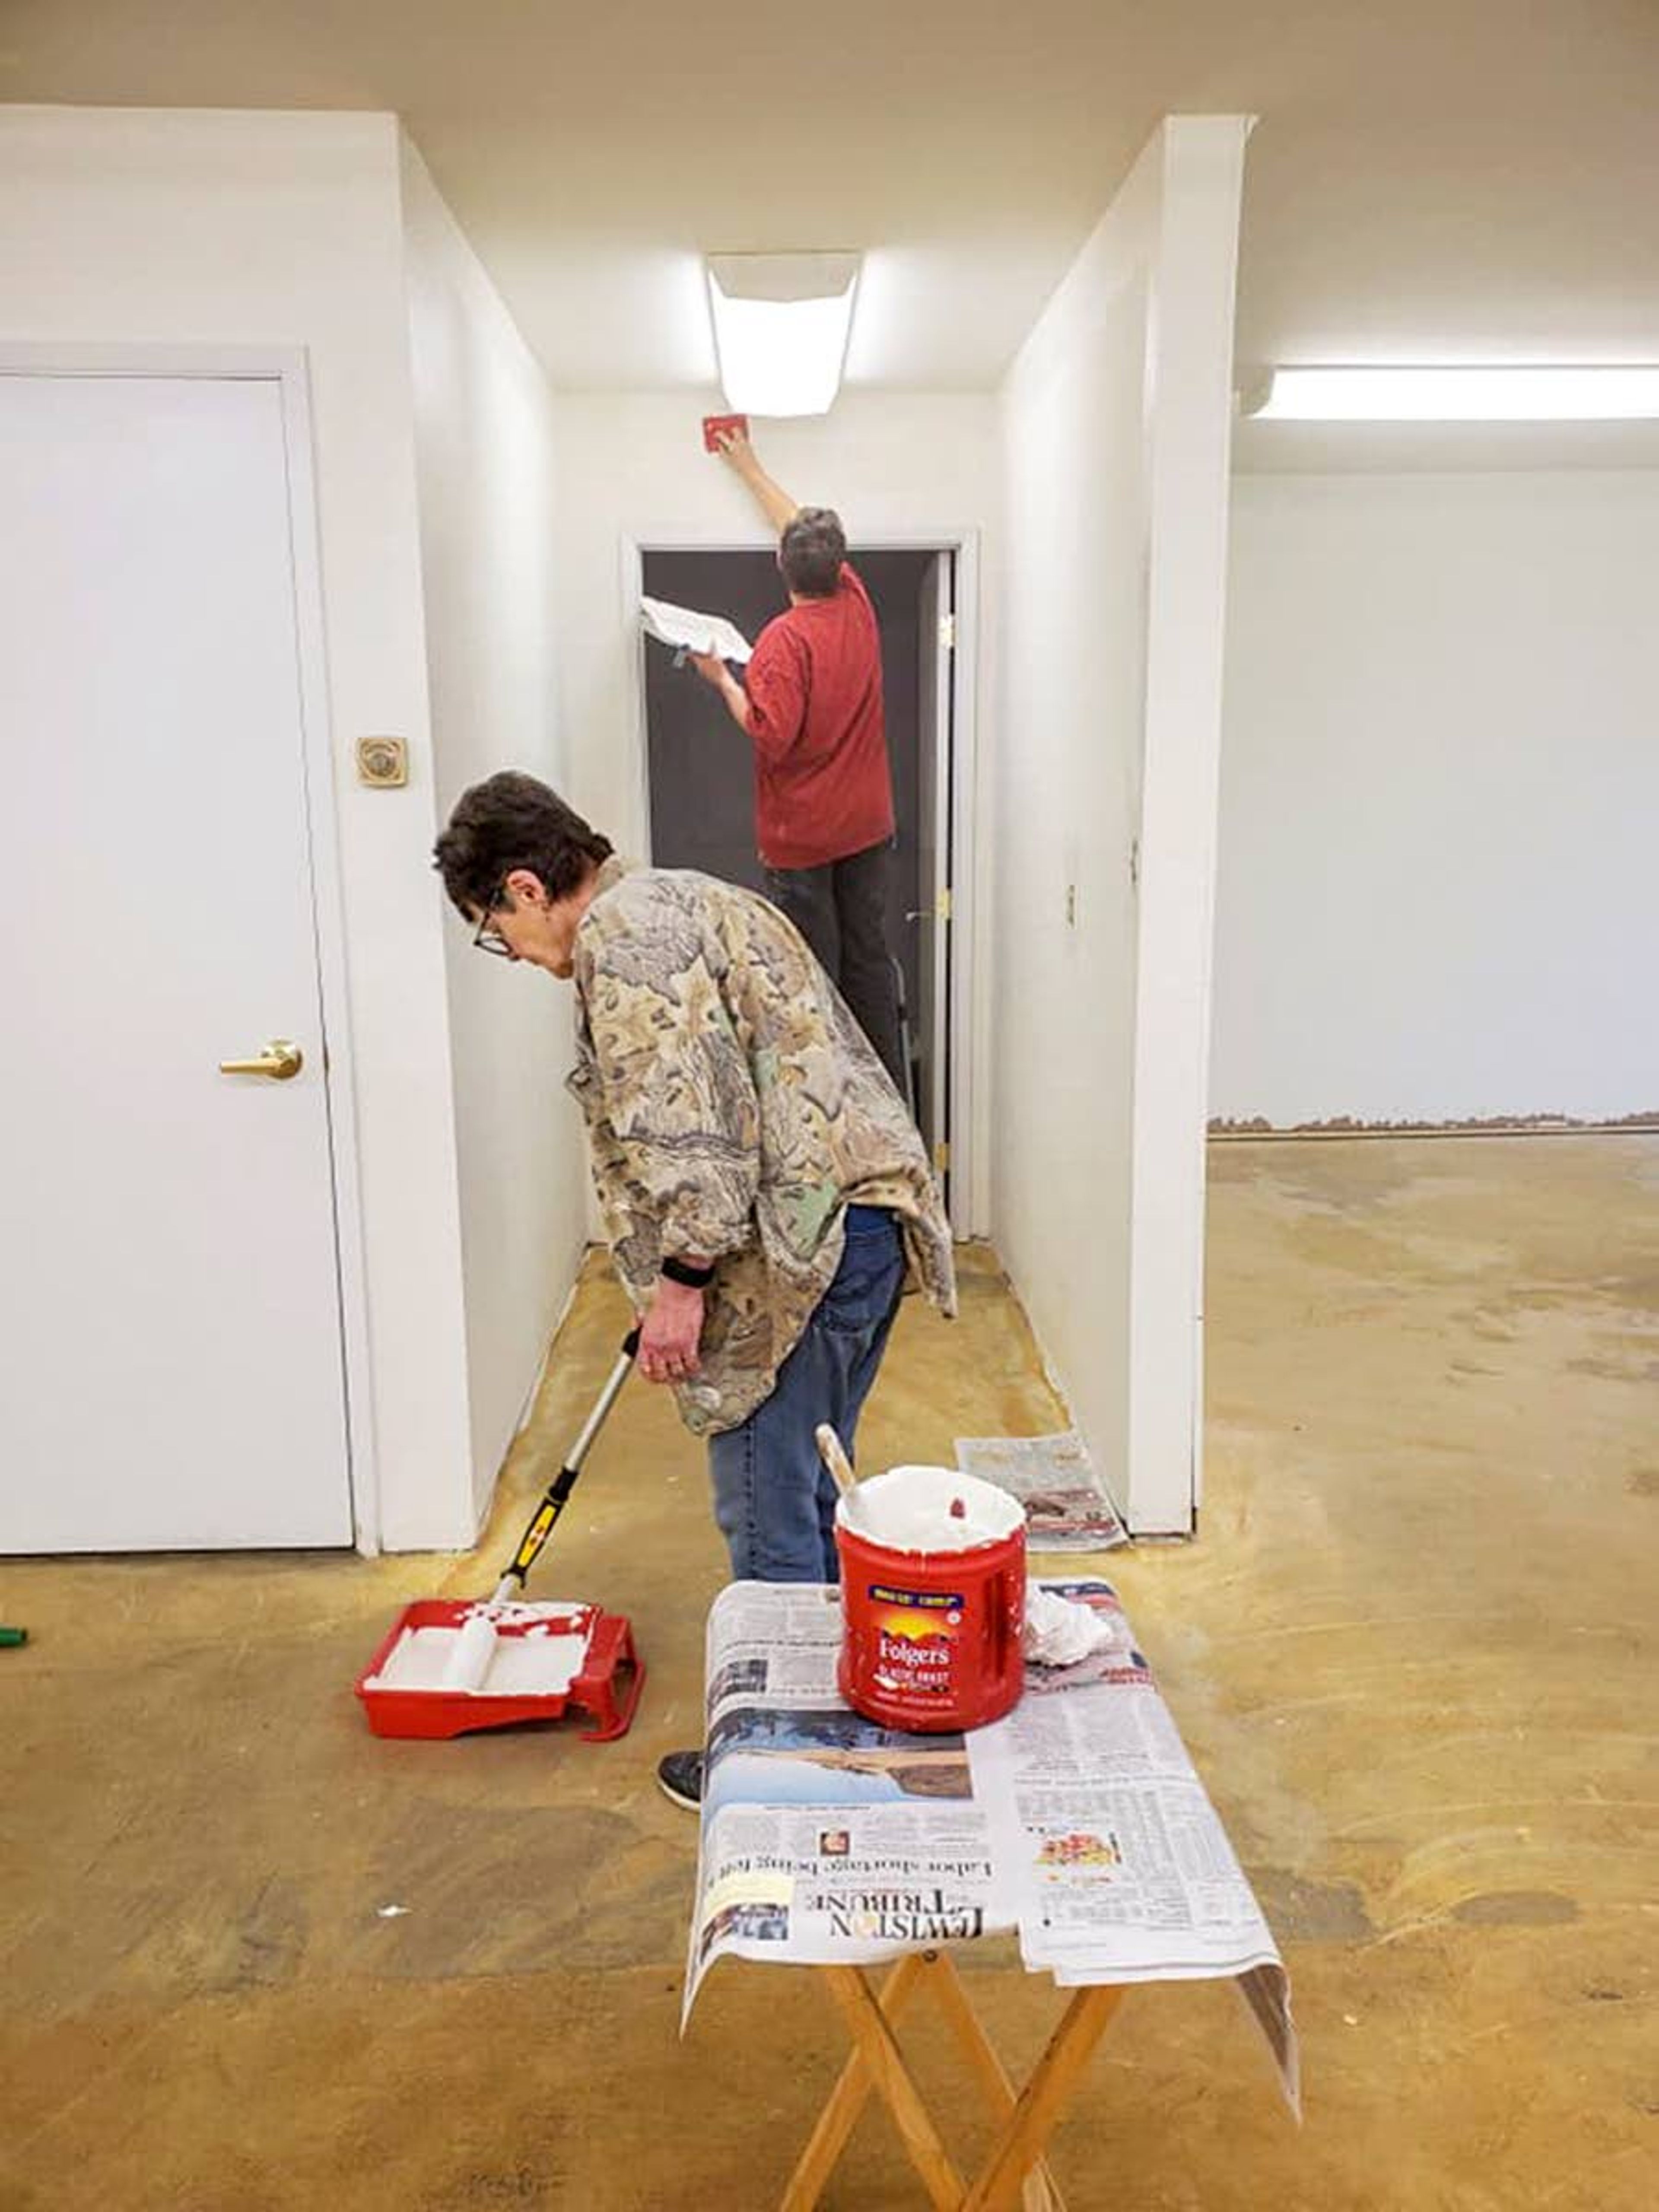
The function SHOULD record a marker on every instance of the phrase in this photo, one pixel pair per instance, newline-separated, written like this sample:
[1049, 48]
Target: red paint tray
[548, 1657]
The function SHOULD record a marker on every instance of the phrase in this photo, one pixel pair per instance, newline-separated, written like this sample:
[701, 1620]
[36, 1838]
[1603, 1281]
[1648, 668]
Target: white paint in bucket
[929, 1509]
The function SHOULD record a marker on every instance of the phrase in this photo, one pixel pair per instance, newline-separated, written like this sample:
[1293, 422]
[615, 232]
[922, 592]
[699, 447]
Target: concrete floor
[1411, 1654]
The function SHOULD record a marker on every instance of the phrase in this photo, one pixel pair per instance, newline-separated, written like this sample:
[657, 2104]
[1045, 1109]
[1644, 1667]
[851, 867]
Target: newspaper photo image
[791, 1755]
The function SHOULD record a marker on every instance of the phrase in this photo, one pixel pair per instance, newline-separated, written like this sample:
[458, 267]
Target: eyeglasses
[487, 937]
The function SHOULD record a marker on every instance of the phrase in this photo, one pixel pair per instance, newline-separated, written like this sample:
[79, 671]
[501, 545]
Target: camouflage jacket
[734, 1110]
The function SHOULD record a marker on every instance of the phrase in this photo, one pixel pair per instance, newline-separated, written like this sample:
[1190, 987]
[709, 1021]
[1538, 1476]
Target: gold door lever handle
[279, 1060]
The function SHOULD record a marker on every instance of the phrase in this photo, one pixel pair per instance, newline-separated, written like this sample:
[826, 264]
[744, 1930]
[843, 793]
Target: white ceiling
[1428, 176]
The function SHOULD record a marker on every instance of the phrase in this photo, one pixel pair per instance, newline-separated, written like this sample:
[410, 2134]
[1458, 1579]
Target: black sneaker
[680, 1776]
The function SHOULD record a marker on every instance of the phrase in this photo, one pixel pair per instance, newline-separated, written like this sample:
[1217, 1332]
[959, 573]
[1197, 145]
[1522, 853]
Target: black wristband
[688, 1277]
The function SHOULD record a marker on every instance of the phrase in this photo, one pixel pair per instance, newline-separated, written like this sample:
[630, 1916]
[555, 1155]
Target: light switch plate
[383, 763]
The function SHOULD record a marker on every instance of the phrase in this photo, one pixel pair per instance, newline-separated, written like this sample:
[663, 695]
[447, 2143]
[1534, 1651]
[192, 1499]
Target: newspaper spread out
[1078, 1821]
[826, 1839]
[1067, 1508]
[684, 631]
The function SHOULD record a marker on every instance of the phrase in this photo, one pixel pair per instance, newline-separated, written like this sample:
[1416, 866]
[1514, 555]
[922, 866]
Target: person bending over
[763, 1189]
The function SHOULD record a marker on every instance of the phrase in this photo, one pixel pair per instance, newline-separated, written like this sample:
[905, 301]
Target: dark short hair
[811, 551]
[514, 821]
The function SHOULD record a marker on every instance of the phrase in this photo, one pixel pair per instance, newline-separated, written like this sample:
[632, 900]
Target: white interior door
[934, 744]
[168, 1280]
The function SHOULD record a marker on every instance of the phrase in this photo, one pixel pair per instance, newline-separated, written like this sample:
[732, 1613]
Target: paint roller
[473, 1657]
[474, 1652]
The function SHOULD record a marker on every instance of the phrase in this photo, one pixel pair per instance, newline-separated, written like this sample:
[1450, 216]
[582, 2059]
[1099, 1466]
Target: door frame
[288, 369]
[967, 1085]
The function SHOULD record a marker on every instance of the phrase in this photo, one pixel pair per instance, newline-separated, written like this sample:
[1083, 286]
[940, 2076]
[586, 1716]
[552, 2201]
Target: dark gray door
[701, 767]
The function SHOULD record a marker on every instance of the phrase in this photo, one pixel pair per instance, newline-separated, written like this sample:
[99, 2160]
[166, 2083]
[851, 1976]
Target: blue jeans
[774, 1501]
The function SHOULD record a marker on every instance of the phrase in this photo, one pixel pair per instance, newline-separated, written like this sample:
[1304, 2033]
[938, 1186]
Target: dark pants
[773, 1500]
[840, 909]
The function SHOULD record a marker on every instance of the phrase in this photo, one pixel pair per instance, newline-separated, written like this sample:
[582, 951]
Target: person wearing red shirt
[811, 705]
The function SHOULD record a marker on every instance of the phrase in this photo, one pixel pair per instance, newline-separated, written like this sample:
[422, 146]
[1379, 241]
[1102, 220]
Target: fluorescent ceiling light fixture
[1521, 393]
[782, 325]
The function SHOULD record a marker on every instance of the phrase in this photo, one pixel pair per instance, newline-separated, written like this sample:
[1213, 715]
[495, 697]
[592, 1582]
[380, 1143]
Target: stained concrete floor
[1411, 1653]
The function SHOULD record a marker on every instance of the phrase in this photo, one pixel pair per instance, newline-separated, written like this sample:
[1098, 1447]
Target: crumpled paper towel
[1059, 1634]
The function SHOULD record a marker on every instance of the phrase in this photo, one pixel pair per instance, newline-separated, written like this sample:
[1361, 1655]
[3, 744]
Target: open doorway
[700, 775]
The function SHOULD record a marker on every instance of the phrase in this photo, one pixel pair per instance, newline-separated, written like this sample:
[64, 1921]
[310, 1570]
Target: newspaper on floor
[1080, 1820]
[684, 630]
[1067, 1508]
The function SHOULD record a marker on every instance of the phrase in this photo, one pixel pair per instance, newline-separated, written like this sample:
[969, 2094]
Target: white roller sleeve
[473, 1656]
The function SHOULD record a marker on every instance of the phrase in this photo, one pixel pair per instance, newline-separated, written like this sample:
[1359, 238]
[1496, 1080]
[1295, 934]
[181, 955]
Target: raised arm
[775, 503]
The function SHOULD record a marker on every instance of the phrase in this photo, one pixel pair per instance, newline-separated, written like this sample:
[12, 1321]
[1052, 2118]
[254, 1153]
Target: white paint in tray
[543, 1663]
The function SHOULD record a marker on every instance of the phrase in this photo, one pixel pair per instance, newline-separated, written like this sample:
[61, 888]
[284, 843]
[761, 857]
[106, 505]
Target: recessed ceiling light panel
[782, 325]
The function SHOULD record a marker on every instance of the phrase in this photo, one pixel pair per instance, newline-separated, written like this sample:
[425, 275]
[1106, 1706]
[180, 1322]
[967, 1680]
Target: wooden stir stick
[832, 1453]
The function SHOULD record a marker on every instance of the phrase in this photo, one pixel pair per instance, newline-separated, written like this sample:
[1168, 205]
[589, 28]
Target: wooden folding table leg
[845, 2101]
[1042, 2193]
[874, 2038]
[1043, 2098]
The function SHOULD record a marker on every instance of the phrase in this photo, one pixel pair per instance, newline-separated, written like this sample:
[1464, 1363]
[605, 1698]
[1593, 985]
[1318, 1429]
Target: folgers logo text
[916, 1634]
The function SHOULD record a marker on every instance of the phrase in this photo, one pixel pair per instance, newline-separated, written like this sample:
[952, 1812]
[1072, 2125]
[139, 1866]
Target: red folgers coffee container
[933, 1599]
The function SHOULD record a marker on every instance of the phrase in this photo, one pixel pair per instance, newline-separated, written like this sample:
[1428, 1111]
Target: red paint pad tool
[449, 1667]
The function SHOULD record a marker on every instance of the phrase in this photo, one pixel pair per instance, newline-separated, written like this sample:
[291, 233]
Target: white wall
[632, 466]
[1438, 898]
[484, 449]
[1115, 424]
[266, 229]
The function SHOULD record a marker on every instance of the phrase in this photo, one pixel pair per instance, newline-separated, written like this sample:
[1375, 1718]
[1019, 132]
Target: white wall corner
[1115, 425]
[1070, 647]
[1189, 381]
[484, 456]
